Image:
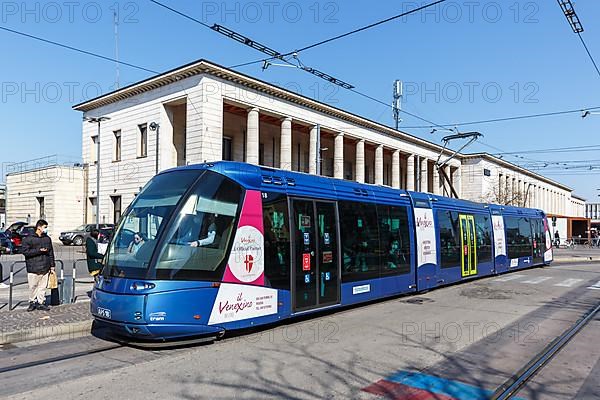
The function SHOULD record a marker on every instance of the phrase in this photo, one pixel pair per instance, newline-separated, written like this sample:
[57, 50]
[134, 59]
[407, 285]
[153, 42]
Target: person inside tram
[211, 233]
[137, 242]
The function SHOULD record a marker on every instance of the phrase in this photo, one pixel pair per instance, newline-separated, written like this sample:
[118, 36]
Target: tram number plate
[104, 312]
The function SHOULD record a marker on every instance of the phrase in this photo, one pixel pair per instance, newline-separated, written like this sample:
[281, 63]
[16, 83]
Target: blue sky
[461, 61]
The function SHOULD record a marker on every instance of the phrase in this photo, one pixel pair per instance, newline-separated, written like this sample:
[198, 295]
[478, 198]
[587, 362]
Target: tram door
[316, 276]
[469, 245]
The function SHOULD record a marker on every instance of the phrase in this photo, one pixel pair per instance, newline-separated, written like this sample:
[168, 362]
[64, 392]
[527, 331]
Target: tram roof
[301, 184]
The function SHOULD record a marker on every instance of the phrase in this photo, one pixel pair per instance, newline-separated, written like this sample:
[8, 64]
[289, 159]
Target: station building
[205, 112]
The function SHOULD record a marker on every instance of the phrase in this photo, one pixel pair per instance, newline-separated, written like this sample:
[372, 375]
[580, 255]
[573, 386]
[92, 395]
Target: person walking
[93, 256]
[39, 259]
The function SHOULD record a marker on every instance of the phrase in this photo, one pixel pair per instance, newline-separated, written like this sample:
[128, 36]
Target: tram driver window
[199, 238]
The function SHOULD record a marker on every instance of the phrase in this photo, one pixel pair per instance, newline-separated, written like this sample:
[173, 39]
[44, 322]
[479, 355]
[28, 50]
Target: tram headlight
[138, 286]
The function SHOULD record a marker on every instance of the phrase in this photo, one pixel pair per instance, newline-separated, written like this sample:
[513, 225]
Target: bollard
[74, 277]
[10, 287]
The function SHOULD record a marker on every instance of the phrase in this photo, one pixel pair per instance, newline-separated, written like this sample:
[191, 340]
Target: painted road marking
[510, 277]
[419, 386]
[537, 280]
[595, 287]
[568, 282]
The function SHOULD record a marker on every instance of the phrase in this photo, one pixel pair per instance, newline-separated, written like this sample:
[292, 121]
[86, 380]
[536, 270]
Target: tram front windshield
[184, 221]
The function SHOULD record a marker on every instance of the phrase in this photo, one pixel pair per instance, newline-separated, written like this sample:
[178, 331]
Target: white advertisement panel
[499, 237]
[426, 243]
[237, 302]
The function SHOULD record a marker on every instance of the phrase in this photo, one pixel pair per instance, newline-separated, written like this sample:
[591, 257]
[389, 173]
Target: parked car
[6, 245]
[17, 236]
[78, 235]
[106, 234]
[14, 227]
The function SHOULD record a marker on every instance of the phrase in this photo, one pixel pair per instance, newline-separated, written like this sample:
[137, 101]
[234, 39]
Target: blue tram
[220, 246]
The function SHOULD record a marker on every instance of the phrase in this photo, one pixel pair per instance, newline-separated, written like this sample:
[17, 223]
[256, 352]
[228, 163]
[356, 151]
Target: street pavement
[465, 339]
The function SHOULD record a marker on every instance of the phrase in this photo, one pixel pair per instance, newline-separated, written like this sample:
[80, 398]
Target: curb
[39, 333]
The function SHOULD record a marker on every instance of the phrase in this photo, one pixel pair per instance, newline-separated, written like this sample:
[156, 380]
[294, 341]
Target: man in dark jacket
[39, 258]
[94, 257]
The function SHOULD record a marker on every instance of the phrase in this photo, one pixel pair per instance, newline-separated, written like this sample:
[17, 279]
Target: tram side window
[483, 226]
[360, 241]
[277, 240]
[394, 239]
[450, 248]
[518, 237]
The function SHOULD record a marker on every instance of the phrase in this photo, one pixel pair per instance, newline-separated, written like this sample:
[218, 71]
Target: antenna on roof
[116, 25]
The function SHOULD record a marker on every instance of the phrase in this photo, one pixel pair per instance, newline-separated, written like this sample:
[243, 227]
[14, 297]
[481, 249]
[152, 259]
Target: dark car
[17, 236]
[14, 227]
[6, 245]
[78, 235]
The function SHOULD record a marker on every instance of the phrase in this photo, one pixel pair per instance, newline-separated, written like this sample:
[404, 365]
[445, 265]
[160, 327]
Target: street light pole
[98, 121]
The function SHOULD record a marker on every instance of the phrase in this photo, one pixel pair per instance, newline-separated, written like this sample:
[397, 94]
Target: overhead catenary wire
[589, 53]
[510, 118]
[343, 35]
[76, 49]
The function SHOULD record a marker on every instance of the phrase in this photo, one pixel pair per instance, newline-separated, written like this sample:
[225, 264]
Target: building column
[424, 175]
[312, 151]
[410, 172]
[338, 156]
[396, 169]
[379, 165]
[359, 172]
[285, 145]
[436, 180]
[252, 137]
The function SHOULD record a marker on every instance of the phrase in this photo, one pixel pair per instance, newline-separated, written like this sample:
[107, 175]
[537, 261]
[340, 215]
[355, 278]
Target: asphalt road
[466, 339]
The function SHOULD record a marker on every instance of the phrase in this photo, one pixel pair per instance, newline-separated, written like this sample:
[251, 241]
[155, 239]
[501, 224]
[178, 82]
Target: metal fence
[63, 282]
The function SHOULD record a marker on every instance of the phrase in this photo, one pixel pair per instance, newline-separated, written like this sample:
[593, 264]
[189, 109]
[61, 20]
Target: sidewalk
[62, 322]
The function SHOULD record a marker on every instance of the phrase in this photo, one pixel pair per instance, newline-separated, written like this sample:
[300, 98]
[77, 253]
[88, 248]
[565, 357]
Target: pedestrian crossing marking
[510, 277]
[537, 280]
[595, 287]
[568, 282]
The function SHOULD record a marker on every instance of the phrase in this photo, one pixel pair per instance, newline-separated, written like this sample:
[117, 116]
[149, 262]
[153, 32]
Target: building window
[92, 212]
[117, 148]
[487, 172]
[116, 201]
[143, 149]
[41, 207]
[227, 153]
[94, 149]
